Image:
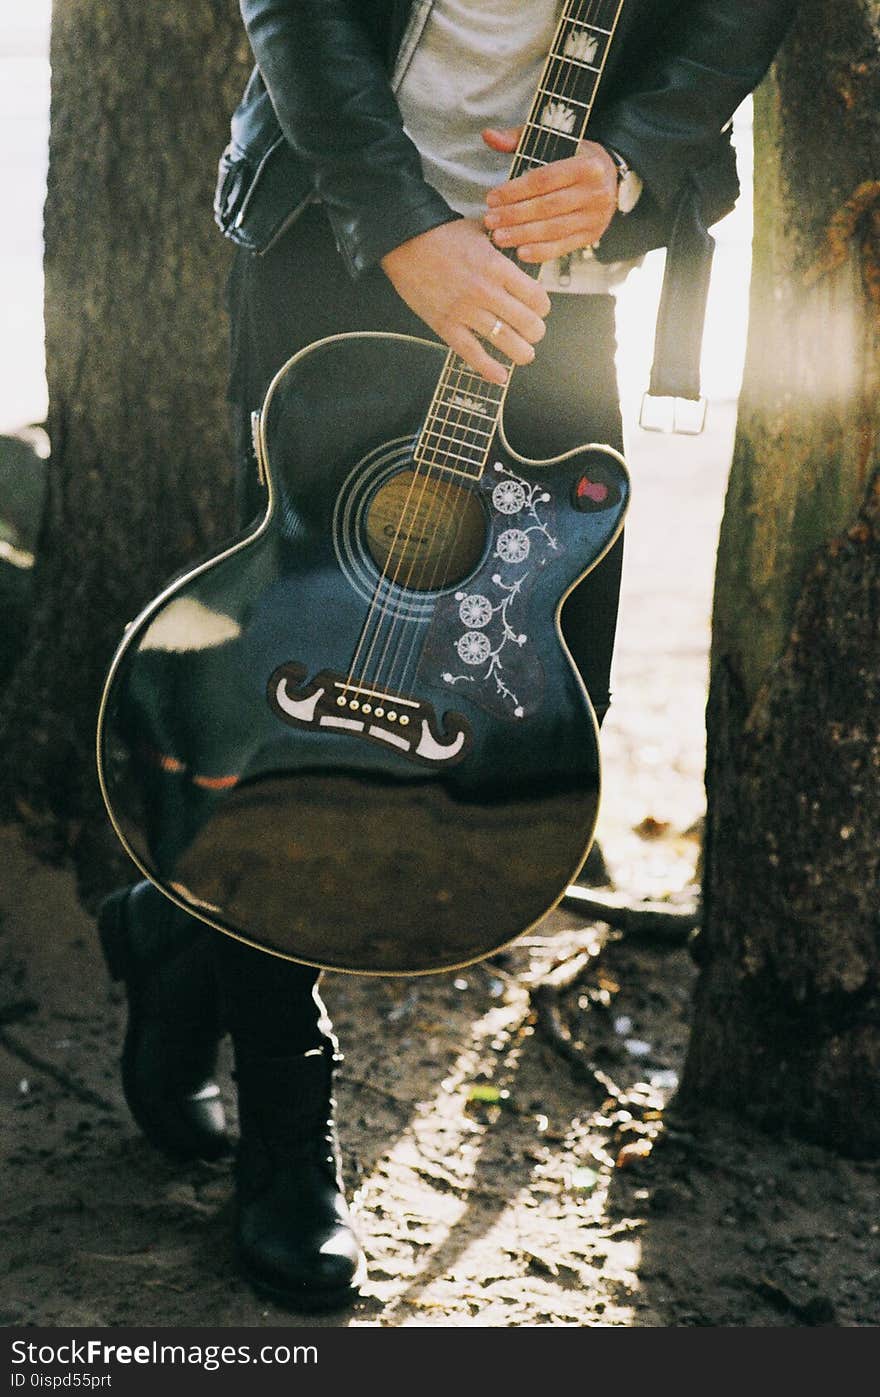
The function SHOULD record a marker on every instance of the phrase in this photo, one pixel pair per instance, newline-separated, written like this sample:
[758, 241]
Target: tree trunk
[140, 477]
[787, 1015]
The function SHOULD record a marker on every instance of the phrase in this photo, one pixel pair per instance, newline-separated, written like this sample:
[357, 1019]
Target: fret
[568, 76]
[443, 464]
[445, 428]
[447, 448]
[540, 130]
[440, 425]
[474, 451]
[585, 24]
[574, 62]
[470, 395]
[444, 403]
[446, 453]
[492, 393]
[554, 145]
[443, 418]
[557, 152]
[454, 406]
[564, 100]
[582, 45]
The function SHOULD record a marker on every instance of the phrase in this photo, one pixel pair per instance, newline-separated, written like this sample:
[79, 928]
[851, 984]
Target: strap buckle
[673, 416]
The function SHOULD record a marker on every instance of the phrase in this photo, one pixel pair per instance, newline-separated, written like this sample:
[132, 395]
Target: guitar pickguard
[478, 639]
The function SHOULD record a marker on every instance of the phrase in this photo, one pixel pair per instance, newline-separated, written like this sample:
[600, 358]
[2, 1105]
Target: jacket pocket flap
[256, 200]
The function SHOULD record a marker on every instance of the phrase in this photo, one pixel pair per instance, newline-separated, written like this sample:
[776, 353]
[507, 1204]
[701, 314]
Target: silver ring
[496, 329]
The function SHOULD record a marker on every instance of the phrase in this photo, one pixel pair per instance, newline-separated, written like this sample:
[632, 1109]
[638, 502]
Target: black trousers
[297, 293]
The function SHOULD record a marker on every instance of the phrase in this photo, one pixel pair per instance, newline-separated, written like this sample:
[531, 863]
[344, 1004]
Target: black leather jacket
[319, 121]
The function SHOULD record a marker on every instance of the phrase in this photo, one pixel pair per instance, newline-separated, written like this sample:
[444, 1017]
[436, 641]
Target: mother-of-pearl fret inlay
[582, 47]
[557, 116]
[469, 404]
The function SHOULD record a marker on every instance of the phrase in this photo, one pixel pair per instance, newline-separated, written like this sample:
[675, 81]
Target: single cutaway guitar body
[355, 738]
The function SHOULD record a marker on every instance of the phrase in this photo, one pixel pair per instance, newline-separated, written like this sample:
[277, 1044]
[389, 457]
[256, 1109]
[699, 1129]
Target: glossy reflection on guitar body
[355, 738]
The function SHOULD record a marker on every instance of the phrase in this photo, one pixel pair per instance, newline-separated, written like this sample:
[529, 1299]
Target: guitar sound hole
[425, 534]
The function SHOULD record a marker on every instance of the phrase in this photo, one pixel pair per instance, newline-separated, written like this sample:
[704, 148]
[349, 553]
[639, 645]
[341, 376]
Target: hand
[555, 208]
[460, 285]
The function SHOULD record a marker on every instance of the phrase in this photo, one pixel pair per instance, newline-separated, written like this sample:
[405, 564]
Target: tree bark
[787, 1014]
[140, 476]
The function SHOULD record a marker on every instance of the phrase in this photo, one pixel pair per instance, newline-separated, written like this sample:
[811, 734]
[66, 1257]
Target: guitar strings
[549, 88]
[457, 508]
[549, 136]
[425, 477]
[537, 139]
[394, 612]
[533, 133]
[444, 503]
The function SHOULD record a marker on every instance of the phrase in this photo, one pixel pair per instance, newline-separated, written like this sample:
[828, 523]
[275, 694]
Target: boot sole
[305, 1301]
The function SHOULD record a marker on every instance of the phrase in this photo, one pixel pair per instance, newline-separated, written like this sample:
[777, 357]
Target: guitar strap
[681, 316]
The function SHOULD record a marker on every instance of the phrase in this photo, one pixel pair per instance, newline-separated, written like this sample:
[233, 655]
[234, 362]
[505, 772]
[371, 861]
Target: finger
[525, 289]
[502, 138]
[547, 251]
[585, 172]
[521, 318]
[542, 180]
[587, 226]
[503, 337]
[469, 348]
[561, 201]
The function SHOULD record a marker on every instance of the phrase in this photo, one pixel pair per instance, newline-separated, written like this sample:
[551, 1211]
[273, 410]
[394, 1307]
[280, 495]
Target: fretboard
[465, 410]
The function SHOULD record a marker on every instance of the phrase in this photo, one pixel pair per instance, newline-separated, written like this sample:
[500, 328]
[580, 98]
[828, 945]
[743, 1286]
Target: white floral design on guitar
[522, 543]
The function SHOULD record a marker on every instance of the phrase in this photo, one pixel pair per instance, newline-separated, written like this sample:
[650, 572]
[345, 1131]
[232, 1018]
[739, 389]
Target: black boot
[164, 956]
[295, 1241]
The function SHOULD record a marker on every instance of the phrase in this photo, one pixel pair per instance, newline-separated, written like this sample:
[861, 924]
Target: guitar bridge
[328, 702]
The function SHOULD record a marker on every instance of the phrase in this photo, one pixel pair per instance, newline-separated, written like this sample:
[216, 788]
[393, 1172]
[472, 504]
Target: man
[365, 187]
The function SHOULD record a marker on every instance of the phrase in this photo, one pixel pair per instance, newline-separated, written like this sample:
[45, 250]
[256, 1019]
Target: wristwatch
[629, 184]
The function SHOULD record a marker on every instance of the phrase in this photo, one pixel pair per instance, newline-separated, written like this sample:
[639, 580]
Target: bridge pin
[392, 717]
[342, 700]
[354, 705]
[380, 712]
[367, 708]
[403, 720]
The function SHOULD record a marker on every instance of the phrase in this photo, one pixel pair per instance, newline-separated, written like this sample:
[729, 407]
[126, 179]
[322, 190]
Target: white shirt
[468, 64]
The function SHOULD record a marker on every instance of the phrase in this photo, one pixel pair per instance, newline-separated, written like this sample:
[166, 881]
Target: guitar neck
[465, 410]
[567, 88]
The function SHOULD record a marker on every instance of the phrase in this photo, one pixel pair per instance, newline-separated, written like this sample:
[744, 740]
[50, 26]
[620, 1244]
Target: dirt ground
[537, 1207]
[494, 1185]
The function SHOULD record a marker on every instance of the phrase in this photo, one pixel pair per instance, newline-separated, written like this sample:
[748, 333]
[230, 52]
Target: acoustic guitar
[355, 738]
